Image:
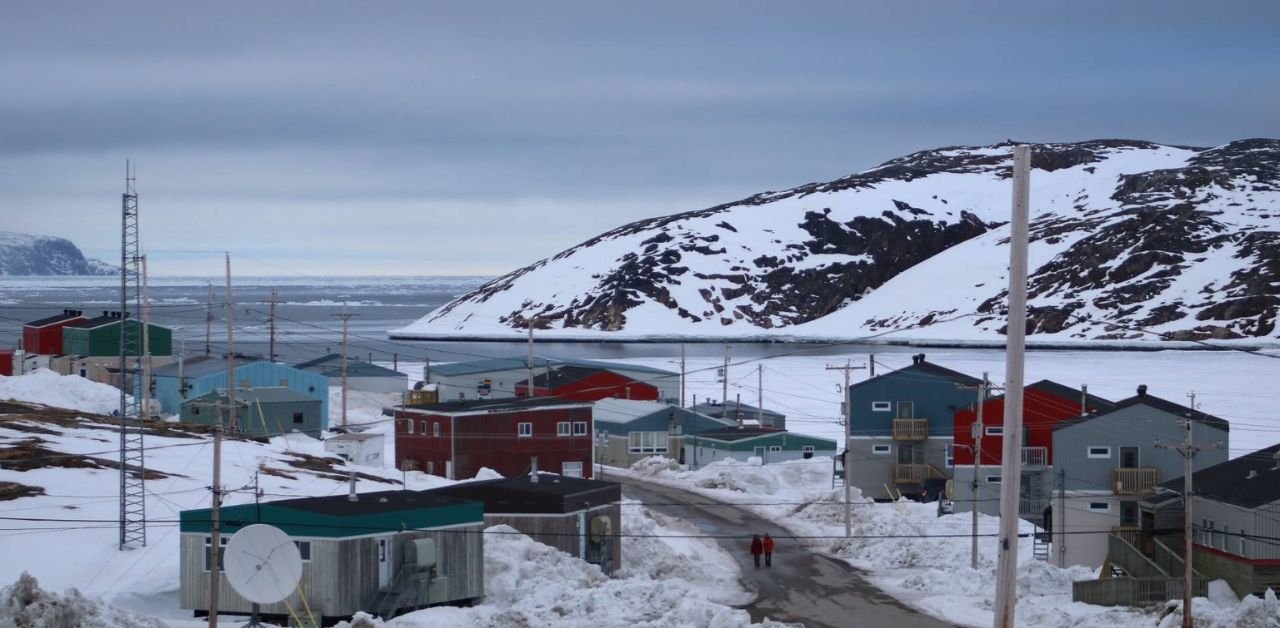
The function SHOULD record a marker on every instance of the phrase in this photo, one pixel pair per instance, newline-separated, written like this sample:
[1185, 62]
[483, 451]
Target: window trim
[1089, 452]
[640, 442]
[579, 428]
[435, 428]
[222, 543]
[775, 448]
[998, 479]
[882, 406]
[564, 428]
[949, 455]
[408, 426]
[993, 430]
[299, 418]
[882, 450]
[1093, 507]
[524, 429]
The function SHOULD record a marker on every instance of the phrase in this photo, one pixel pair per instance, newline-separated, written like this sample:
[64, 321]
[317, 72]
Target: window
[562, 428]
[950, 460]
[995, 430]
[808, 451]
[579, 428]
[524, 430]
[408, 426]
[906, 409]
[881, 449]
[431, 467]
[195, 409]
[571, 469]
[775, 448]
[1099, 506]
[304, 549]
[647, 442]
[993, 479]
[1099, 452]
[881, 406]
[435, 428]
[1243, 549]
[222, 543]
[297, 417]
[423, 425]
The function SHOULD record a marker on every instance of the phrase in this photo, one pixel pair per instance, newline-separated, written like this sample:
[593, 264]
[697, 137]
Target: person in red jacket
[757, 546]
[768, 550]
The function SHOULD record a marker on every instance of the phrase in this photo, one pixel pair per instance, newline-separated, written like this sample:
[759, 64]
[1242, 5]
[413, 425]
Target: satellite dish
[262, 564]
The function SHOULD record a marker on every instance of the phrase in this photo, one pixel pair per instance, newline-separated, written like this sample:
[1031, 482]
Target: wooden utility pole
[345, 318]
[848, 368]
[271, 325]
[1015, 356]
[215, 530]
[208, 323]
[144, 408]
[760, 394]
[724, 395]
[528, 390]
[978, 429]
[234, 423]
[1188, 450]
[682, 375]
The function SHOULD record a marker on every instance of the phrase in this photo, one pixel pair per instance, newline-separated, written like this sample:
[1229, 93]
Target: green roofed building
[357, 554]
[100, 337]
[768, 444]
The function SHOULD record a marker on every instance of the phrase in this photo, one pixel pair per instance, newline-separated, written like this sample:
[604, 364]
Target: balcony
[1135, 480]
[914, 473]
[910, 429]
[1032, 509]
[1035, 457]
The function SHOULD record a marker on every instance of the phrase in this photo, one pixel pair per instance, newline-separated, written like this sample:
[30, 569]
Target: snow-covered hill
[1126, 235]
[22, 254]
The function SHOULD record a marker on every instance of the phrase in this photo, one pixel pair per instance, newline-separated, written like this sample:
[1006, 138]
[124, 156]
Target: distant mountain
[22, 254]
[1126, 236]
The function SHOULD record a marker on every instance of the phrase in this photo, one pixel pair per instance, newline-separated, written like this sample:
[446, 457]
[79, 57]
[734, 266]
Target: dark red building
[44, 337]
[457, 438]
[1044, 405]
[579, 383]
[6, 362]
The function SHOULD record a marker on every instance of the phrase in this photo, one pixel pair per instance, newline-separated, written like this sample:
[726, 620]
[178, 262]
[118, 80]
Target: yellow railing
[910, 429]
[1135, 480]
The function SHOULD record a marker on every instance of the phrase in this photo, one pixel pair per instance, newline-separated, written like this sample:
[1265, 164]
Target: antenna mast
[133, 503]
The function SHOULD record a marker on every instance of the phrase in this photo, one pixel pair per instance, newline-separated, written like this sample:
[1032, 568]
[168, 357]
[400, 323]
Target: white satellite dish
[262, 564]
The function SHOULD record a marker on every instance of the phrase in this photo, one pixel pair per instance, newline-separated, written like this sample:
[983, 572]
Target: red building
[457, 438]
[1044, 405]
[44, 337]
[578, 383]
[6, 362]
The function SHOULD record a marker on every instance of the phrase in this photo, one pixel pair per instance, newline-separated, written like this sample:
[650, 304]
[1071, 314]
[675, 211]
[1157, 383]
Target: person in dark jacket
[757, 546]
[768, 550]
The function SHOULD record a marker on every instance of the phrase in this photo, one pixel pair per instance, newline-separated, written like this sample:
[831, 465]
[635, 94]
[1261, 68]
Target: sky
[438, 138]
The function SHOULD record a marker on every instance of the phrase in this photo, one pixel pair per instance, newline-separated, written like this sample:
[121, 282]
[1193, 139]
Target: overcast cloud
[472, 138]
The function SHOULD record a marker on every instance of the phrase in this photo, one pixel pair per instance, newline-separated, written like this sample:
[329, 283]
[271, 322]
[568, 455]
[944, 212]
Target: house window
[993, 479]
[1243, 549]
[882, 449]
[775, 448]
[571, 469]
[950, 456]
[579, 428]
[431, 467]
[647, 442]
[195, 410]
[423, 426]
[304, 549]
[906, 410]
[562, 428]
[408, 426]
[808, 451]
[222, 543]
[524, 430]
[881, 406]
[297, 417]
[1099, 452]
[995, 430]
[1099, 506]
[435, 428]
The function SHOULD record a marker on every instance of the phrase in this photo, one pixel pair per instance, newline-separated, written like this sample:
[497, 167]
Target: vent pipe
[351, 484]
[1142, 390]
[1084, 399]
[533, 469]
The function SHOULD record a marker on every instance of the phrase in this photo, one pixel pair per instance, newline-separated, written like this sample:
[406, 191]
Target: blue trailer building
[175, 383]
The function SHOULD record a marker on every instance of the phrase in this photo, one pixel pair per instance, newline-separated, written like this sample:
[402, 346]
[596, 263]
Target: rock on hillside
[1126, 236]
[22, 254]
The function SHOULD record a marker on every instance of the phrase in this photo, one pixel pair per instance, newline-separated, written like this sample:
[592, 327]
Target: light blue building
[175, 383]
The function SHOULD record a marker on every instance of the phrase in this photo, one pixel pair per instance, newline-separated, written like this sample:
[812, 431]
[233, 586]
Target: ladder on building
[1040, 544]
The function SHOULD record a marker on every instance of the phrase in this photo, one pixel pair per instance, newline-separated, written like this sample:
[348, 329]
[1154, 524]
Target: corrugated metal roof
[331, 366]
[266, 394]
[627, 410]
[199, 366]
[1249, 481]
[734, 410]
[494, 405]
[55, 319]
[519, 362]
[1152, 401]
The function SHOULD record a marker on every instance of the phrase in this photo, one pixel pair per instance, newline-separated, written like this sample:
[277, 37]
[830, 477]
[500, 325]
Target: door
[760, 453]
[384, 562]
[1129, 457]
[906, 409]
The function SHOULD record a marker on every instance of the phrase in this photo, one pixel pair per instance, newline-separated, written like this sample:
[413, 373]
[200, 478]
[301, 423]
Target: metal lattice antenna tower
[133, 505]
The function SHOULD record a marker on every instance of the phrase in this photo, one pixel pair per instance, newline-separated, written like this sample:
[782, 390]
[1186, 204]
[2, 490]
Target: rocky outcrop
[22, 254]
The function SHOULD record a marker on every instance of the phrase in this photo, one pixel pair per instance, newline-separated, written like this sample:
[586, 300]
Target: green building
[743, 443]
[100, 337]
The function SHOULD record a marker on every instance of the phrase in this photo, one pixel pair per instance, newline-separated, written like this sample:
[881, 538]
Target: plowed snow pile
[24, 604]
[63, 391]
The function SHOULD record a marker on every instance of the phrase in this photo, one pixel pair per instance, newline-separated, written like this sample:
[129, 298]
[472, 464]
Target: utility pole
[271, 325]
[1015, 356]
[848, 368]
[234, 421]
[208, 323]
[215, 530]
[760, 394]
[528, 390]
[978, 429]
[682, 375]
[1188, 450]
[144, 408]
[871, 362]
[426, 372]
[724, 395]
[345, 318]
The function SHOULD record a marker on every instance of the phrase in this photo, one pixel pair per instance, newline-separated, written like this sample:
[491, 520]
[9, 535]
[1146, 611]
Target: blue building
[203, 375]
[900, 426]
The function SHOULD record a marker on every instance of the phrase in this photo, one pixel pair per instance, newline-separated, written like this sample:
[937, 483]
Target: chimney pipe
[1084, 399]
[1142, 390]
[533, 470]
[351, 483]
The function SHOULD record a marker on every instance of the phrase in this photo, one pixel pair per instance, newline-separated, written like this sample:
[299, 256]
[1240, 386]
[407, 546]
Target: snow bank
[63, 391]
[25, 604]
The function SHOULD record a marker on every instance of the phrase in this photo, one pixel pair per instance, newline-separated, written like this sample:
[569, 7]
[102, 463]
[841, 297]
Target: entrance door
[1129, 457]
[384, 562]
[760, 453]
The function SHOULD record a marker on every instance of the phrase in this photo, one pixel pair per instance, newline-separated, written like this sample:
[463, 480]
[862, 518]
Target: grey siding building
[744, 443]
[495, 378]
[1108, 462]
[632, 430]
[900, 426]
[266, 411]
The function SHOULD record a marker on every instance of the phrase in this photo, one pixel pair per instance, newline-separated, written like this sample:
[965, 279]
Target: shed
[260, 411]
[44, 336]
[767, 444]
[358, 447]
[353, 552]
[581, 517]
[361, 375]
